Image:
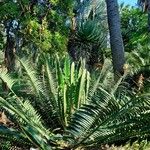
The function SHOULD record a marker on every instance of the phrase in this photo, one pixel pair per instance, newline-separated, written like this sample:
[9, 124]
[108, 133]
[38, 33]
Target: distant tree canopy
[145, 4]
[36, 24]
[134, 27]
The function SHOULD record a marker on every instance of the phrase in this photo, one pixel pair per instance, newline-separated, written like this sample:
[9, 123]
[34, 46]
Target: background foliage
[61, 93]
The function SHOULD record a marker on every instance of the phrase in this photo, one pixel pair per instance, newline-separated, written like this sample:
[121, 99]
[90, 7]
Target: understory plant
[140, 67]
[86, 111]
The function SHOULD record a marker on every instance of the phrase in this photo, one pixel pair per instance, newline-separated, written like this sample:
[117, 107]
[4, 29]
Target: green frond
[51, 84]
[99, 121]
[29, 121]
[31, 74]
[72, 75]
[95, 7]
[6, 78]
[36, 138]
[89, 31]
[13, 135]
[104, 78]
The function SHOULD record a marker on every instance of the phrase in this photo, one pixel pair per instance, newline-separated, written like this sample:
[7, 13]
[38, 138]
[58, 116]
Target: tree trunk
[116, 41]
[10, 48]
[9, 57]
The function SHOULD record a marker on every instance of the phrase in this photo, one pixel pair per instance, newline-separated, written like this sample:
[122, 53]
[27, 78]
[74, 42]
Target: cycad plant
[106, 113]
[69, 90]
[108, 119]
[61, 90]
[89, 36]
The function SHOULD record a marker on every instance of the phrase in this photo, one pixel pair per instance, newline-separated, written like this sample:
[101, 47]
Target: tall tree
[42, 24]
[116, 40]
[30, 26]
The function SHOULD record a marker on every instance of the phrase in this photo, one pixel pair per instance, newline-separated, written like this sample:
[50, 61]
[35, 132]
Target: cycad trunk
[116, 41]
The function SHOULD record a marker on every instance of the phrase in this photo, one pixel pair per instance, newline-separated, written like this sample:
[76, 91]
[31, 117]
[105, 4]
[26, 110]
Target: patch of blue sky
[128, 2]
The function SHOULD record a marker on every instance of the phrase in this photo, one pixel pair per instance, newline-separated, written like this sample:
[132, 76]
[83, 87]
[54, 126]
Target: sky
[131, 2]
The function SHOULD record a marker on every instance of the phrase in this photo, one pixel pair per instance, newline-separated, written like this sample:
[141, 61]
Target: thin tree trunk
[10, 48]
[116, 41]
[9, 54]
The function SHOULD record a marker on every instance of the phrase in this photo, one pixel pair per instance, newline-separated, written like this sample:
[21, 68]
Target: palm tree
[116, 41]
[145, 4]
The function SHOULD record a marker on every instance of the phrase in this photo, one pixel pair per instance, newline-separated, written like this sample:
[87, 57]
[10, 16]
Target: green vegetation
[65, 85]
